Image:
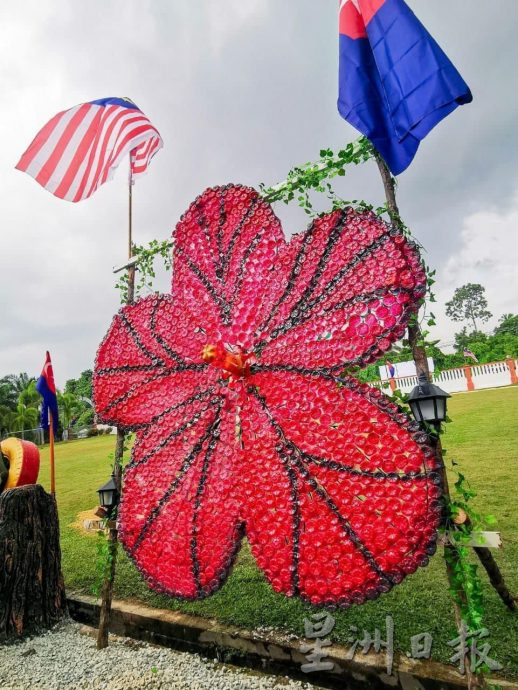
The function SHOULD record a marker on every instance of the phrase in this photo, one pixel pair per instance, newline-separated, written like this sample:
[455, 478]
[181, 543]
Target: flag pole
[52, 464]
[113, 535]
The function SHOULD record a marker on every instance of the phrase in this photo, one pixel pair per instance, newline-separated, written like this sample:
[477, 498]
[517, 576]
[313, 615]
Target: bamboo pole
[113, 536]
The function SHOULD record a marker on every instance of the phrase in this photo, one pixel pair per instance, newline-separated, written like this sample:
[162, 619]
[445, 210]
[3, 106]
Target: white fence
[34, 435]
[468, 378]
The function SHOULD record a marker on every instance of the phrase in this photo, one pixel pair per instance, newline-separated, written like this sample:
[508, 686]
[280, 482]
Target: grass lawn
[483, 439]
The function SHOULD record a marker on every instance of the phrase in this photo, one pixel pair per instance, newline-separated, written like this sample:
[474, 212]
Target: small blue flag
[395, 82]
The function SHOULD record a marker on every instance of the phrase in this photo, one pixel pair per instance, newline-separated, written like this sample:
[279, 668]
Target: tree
[464, 339]
[20, 382]
[81, 387]
[69, 407]
[29, 395]
[8, 394]
[26, 417]
[469, 304]
[7, 420]
[508, 324]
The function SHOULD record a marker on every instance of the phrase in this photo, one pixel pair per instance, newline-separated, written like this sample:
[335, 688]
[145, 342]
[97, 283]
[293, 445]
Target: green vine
[104, 560]
[465, 576]
[300, 183]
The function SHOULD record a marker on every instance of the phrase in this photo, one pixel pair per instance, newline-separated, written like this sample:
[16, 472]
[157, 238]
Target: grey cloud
[240, 92]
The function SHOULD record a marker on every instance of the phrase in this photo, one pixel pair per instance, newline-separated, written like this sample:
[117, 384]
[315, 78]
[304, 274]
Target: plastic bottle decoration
[242, 427]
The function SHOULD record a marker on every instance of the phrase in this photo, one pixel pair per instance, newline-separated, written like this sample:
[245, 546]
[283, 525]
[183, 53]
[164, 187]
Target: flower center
[234, 361]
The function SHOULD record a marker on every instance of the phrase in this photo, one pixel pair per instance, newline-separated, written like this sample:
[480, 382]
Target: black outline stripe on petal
[306, 316]
[218, 299]
[294, 273]
[242, 266]
[158, 338]
[301, 312]
[197, 503]
[333, 238]
[136, 338]
[222, 219]
[188, 462]
[320, 490]
[225, 260]
[295, 578]
[174, 434]
[135, 388]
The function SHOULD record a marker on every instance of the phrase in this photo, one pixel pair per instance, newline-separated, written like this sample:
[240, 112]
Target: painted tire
[24, 462]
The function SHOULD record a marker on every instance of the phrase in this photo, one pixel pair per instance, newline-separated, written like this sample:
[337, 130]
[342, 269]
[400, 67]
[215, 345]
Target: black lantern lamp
[428, 402]
[109, 495]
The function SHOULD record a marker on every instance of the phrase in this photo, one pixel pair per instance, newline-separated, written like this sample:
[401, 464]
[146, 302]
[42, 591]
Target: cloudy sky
[241, 90]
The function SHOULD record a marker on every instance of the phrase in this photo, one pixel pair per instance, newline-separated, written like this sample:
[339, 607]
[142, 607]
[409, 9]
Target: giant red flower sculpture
[242, 426]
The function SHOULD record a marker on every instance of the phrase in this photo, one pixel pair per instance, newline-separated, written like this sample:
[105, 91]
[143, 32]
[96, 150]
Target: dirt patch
[87, 522]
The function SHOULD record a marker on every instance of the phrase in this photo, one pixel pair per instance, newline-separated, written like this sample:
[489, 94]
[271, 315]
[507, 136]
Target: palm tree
[20, 382]
[8, 394]
[26, 417]
[7, 422]
[69, 407]
[29, 395]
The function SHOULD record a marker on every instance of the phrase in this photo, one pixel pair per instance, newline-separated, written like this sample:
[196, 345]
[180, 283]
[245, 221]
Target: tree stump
[32, 593]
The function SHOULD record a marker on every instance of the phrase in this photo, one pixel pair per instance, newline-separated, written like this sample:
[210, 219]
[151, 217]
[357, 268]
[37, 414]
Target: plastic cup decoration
[245, 421]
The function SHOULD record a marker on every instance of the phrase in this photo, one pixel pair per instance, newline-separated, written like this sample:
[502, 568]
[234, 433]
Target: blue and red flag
[391, 369]
[47, 389]
[395, 82]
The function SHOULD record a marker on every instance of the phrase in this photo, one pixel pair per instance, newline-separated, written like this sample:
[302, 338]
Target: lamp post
[109, 495]
[428, 402]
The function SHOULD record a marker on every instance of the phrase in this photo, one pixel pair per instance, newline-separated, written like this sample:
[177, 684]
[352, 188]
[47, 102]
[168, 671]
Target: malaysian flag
[79, 149]
[471, 355]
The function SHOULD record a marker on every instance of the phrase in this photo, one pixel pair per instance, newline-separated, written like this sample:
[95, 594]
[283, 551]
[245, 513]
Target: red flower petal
[225, 247]
[353, 283]
[338, 510]
[149, 361]
[179, 518]
[338, 490]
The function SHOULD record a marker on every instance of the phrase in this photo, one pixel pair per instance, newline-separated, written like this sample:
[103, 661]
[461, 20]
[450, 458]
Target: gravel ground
[66, 659]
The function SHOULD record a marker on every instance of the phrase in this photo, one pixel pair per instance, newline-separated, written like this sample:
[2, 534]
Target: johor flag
[47, 389]
[395, 83]
[80, 149]
[391, 368]
[468, 353]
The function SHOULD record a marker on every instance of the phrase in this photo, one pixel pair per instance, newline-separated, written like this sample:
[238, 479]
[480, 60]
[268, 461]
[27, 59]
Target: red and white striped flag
[79, 149]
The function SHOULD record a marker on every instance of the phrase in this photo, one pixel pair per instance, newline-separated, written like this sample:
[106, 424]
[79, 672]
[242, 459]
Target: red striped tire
[24, 462]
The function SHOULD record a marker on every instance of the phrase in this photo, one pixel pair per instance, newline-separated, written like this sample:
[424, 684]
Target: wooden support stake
[113, 537]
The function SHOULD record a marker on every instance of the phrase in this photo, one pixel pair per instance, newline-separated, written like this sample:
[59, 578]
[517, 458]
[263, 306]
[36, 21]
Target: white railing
[491, 375]
[467, 378]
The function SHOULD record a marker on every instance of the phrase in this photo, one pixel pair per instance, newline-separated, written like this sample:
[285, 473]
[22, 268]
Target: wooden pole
[451, 553]
[113, 537]
[52, 461]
